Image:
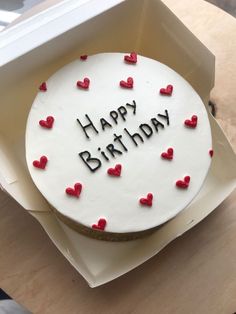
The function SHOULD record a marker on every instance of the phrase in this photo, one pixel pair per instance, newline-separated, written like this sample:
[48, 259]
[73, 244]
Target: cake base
[102, 235]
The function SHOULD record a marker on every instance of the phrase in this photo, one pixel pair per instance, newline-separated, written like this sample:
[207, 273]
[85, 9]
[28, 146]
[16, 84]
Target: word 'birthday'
[119, 143]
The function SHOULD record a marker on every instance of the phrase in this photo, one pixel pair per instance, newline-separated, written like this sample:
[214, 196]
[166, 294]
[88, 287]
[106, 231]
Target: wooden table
[195, 274]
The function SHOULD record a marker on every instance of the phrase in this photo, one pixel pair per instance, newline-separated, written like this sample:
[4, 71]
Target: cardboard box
[35, 48]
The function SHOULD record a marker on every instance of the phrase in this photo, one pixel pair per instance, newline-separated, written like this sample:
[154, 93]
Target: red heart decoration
[211, 152]
[115, 171]
[169, 154]
[84, 84]
[100, 225]
[167, 91]
[191, 123]
[43, 87]
[132, 58]
[183, 184]
[74, 191]
[41, 163]
[48, 123]
[127, 84]
[146, 201]
[83, 57]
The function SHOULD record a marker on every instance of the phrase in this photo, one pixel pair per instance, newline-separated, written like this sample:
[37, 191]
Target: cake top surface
[118, 142]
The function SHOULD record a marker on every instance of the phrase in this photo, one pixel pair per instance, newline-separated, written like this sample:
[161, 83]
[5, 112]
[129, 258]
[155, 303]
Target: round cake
[118, 144]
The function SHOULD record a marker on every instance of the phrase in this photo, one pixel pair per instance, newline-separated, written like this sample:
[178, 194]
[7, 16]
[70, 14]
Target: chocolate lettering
[118, 138]
[113, 150]
[89, 125]
[147, 130]
[166, 116]
[157, 123]
[123, 112]
[104, 123]
[133, 136]
[92, 163]
[114, 116]
[133, 106]
[103, 154]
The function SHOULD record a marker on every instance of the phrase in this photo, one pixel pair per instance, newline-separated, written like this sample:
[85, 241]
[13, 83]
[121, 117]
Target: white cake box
[33, 49]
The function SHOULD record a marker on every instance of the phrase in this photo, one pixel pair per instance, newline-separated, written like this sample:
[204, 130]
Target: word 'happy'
[118, 147]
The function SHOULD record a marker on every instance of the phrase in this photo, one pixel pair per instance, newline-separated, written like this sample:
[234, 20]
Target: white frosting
[143, 170]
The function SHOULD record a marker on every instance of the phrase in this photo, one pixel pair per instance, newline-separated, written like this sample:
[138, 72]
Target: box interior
[149, 28]
[145, 26]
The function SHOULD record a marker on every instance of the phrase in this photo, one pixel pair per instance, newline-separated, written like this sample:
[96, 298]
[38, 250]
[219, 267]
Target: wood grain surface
[196, 273]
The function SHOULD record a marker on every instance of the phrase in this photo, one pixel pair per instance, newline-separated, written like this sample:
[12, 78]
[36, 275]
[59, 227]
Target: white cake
[118, 144]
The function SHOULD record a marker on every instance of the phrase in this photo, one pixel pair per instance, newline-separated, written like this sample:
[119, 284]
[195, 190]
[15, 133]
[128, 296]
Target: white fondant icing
[143, 169]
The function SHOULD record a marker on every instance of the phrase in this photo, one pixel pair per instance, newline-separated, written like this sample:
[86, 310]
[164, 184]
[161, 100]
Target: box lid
[47, 24]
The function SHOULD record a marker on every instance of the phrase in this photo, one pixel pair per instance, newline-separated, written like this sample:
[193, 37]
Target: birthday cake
[118, 144]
